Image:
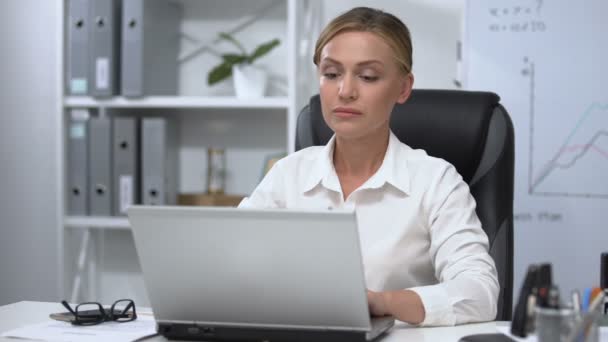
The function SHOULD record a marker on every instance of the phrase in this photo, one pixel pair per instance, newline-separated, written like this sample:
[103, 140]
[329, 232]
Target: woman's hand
[377, 303]
[404, 305]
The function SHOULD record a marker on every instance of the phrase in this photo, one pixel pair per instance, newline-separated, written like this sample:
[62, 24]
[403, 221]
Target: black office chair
[473, 132]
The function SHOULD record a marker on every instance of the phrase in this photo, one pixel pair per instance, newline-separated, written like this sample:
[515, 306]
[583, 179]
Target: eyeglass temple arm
[67, 306]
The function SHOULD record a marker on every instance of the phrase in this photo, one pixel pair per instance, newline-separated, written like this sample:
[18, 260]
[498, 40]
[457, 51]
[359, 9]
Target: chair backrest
[473, 132]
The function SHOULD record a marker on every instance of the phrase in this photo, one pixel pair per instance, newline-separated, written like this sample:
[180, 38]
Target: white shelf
[97, 222]
[284, 19]
[177, 102]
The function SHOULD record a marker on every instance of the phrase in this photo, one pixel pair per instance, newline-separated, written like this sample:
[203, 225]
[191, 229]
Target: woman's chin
[349, 132]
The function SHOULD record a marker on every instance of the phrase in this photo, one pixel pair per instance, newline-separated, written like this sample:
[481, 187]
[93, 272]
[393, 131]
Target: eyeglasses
[91, 313]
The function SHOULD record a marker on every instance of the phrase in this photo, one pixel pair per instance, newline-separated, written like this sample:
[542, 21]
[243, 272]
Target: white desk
[15, 315]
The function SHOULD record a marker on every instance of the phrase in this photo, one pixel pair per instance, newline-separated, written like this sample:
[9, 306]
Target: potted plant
[249, 80]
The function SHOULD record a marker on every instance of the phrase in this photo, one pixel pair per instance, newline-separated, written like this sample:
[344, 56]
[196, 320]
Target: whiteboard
[548, 61]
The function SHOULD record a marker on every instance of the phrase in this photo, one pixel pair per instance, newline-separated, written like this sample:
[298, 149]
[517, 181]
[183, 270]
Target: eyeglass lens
[89, 313]
[123, 311]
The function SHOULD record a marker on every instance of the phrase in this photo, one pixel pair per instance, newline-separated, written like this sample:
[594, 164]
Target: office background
[30, 101]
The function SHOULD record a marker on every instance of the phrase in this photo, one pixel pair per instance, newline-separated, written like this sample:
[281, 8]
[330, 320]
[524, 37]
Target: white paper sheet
[57, 331]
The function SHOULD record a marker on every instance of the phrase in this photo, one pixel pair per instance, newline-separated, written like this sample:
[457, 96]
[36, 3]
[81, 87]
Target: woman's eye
[330, 75]
[369, 78]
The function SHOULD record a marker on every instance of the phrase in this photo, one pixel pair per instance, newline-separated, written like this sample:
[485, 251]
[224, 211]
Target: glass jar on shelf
[216, 171]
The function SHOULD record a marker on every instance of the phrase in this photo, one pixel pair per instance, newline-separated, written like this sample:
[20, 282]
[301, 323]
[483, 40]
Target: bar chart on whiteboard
[548, 62]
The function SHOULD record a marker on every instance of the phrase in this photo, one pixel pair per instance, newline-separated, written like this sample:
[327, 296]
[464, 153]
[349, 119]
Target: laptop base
[193, 332]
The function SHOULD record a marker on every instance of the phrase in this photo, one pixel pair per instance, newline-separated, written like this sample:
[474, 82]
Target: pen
[576, 302]
[586, 299]
[587, 319]
[595, 292]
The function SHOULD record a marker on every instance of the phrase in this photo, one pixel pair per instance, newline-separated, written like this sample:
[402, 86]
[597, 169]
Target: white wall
[28, 165]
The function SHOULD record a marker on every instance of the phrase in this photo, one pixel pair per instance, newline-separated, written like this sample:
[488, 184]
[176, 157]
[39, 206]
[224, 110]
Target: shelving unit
[192, 102]
[206, 115]
[86, 222]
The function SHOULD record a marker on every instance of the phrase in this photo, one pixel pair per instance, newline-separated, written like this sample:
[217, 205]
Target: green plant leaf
[219, 73]
[234, 58]
[231, 39]
[263, 49]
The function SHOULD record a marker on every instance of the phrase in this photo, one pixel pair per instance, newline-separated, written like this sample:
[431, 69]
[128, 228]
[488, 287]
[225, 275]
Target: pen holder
[555, 325]
[603, 321]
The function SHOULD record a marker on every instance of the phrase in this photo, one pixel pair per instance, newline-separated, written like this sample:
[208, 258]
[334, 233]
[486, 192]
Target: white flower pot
[249, 81]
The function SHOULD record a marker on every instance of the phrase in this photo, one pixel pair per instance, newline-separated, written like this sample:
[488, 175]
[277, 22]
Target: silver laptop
[235, 274]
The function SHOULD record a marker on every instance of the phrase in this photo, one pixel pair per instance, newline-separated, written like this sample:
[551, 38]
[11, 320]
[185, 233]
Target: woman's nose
[347, 89]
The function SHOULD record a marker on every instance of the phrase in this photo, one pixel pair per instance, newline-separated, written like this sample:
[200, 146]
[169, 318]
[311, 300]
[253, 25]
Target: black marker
[604, 279]
[544, 281]
[545, 275]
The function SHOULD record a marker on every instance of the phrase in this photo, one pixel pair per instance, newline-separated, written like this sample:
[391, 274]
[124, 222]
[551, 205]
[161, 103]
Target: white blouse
[417, 226]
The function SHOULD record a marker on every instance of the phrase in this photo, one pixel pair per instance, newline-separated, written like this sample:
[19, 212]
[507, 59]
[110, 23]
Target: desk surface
[23, 313]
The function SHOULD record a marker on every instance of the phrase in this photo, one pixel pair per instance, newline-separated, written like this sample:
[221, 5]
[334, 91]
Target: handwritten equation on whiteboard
[524, 18]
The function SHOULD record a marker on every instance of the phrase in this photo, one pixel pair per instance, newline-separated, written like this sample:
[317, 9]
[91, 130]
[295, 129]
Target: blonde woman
[425, 255]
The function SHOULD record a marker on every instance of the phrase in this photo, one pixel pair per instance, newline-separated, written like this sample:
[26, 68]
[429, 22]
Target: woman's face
[360, 82]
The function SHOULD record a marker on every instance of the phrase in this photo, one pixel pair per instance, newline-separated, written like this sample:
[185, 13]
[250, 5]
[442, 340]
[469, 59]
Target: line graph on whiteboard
[574, 169]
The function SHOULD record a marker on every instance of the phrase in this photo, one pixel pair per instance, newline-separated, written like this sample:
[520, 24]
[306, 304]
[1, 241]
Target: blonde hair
[364, 19]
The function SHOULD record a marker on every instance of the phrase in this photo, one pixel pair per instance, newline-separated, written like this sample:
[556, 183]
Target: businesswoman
[425, 255]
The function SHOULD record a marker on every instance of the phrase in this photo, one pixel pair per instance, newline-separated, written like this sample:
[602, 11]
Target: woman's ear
[405, 90]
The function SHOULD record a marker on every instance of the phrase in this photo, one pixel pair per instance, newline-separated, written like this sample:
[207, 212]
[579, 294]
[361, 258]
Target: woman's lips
[346, 112]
